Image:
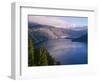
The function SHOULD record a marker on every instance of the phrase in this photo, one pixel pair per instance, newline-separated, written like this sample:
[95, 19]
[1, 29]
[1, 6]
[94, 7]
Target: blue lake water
[67, 52]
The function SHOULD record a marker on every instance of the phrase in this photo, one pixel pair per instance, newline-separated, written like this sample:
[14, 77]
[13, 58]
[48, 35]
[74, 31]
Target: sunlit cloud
[52, 21]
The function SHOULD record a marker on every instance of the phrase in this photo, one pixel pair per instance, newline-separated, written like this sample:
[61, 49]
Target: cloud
[52, 21]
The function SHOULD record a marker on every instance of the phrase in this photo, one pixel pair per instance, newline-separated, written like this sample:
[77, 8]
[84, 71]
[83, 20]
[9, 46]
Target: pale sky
[58, 21]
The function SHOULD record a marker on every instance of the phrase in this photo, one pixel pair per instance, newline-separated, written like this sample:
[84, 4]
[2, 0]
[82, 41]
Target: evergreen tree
[30, 52]
[51, 60]
[37, 56]
[43, 56]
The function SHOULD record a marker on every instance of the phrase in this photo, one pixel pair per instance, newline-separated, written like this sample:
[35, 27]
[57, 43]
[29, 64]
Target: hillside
[82, 38]
[42, 33]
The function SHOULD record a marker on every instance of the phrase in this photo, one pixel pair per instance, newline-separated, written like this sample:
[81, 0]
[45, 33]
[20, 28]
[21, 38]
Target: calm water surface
[67, 52]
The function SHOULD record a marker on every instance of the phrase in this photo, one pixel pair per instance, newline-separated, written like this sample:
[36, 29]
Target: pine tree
[43, 56]
[30, 52]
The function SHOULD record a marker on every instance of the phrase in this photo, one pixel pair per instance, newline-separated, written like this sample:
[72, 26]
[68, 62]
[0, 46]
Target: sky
[79, 21]
[60, 21]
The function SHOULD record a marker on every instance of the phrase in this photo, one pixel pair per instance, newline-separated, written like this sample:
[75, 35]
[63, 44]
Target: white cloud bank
[52, 21]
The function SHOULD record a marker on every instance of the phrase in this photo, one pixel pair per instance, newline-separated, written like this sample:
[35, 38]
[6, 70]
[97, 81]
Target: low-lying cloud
[52, 21]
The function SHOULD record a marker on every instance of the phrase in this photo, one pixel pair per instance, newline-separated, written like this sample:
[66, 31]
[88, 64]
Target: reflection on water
[67, 52]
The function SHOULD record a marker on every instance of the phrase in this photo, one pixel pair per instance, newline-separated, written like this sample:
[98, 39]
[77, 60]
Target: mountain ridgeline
[41, 33]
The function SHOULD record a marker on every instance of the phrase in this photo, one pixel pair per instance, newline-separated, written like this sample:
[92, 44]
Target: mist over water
[67, 52]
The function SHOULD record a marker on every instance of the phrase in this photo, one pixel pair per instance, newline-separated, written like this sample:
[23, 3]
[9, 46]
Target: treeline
[39, 56]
